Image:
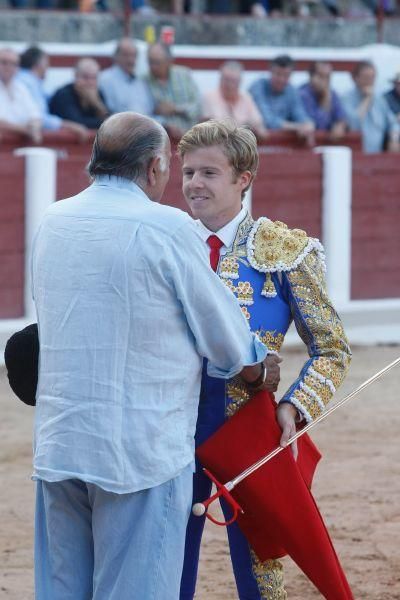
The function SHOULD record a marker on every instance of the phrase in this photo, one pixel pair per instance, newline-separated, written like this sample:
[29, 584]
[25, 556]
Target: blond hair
[239, 144]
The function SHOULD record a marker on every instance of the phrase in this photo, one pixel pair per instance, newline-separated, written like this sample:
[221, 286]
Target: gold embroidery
[229, 285]
[268, 288]
[324, 367]
[269, 577]
[274, 247]
[271, 339]
[243, 232]
[322, 331]
[245, 312]
[229, 268]
[244, 293]
[237, 395]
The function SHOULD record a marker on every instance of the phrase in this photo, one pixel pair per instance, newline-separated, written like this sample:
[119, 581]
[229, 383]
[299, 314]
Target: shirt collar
[227, 233]
[121, 183]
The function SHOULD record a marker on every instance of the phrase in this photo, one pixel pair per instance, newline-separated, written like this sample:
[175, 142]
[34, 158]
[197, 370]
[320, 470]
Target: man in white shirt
[127, 308]
[18, 111]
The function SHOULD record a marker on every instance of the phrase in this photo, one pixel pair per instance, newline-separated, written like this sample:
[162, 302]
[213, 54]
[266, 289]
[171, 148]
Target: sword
[201, 508]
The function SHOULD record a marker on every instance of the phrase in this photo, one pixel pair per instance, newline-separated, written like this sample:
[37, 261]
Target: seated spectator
[369, 113]
[321, 103]
[34, 63]
[176, 96]
[81, 100]
[392, 97]
[121, 88]
[18, 111]
[279, 102]
[228, 101]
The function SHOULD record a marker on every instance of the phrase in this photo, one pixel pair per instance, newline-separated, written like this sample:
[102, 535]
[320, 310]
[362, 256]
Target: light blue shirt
[127, 306]
[125, 92]
[377, 123]
[276, 108]
[36, 89]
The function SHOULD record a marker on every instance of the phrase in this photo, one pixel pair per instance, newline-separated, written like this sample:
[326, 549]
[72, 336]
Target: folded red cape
[280, 514]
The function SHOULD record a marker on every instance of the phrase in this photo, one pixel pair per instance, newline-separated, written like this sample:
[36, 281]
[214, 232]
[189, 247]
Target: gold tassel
[268, 290]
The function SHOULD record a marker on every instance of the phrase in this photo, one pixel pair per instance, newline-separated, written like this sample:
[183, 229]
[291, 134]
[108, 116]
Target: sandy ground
[357, 488]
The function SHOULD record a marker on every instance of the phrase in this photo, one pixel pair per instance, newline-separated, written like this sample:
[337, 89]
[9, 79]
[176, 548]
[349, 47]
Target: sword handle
[201, 508]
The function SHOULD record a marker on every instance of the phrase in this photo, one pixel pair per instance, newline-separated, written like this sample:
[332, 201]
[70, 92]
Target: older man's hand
[273, 372]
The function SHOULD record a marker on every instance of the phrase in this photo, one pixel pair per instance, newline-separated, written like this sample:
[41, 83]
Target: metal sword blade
[234, 482]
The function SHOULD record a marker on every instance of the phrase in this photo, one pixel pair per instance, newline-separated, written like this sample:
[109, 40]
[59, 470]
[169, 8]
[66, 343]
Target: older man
[121, 87]
[127, 307]
[81, 101]
[18, 111]
[176, 95]
[228, 101]
[369, 113]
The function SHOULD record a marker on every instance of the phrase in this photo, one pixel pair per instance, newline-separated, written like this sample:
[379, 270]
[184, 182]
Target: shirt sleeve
[351, 111]
[298, 113]
[216, 321]
[320, 328]
[191, 106]
[270, 119]
[392, 124]
[337, 108]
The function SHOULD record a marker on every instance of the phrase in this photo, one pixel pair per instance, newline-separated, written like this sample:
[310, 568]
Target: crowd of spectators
[256, 8]
[170, 94]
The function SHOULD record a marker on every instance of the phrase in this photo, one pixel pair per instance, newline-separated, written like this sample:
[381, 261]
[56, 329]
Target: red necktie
[215, 245]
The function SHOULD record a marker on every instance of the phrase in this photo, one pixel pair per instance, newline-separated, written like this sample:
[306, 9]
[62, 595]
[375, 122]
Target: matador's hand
[286, 414]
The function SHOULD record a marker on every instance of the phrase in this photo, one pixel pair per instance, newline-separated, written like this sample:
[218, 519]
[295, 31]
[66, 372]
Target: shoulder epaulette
[272, 246]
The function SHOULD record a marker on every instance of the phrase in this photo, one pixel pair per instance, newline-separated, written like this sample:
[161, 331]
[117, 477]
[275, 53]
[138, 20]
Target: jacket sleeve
[320, 328]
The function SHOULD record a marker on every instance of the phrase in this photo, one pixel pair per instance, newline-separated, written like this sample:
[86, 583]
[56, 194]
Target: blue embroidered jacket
[277, 275]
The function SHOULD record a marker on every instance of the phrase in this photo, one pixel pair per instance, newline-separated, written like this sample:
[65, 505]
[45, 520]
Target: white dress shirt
[16, 104]
[127, 307]
[226, 234]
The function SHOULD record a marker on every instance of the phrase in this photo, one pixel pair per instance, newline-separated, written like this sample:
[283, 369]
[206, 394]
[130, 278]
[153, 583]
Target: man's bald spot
[125, 44]
[160, 51]
[86, 64]
[116, 132]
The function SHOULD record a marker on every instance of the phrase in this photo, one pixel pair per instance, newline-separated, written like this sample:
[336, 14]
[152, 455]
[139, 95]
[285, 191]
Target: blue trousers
[95, 545]
[211, 417]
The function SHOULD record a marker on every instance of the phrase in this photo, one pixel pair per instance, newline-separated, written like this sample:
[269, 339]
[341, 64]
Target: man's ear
[245, 179]
[152, 170]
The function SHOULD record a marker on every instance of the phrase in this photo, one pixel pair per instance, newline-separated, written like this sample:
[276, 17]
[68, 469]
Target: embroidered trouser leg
[254, 580]
[95, 545]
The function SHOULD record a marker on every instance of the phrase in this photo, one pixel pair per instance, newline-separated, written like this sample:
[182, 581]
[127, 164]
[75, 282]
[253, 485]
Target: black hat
[21, 356]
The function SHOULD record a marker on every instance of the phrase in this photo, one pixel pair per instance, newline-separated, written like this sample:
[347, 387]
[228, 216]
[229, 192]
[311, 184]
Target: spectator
[369, 113]
[42, 4]
[279, 103]
[176, 96]
[321, 103]
[18, 111]
[393, 96]
[34, 64]
[81, 100]
[228, 101]
[121, 88]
